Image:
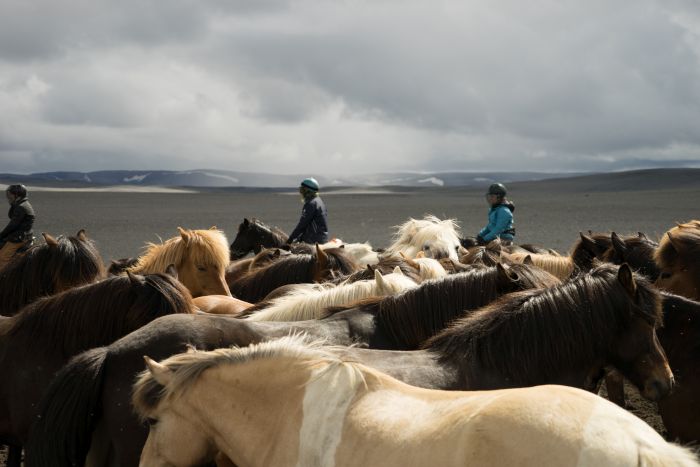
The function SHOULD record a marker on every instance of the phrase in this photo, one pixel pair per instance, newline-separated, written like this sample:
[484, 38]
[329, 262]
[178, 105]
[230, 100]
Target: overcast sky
[349, 86]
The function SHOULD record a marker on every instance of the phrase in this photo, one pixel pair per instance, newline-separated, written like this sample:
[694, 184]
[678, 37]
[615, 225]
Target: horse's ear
[161, 373]
[81, 235]
[184, 234]
[397, 270]
[50, 241]
[342, 246]
[171, 270]
[624, 275]
[591, 245]
[277, 253]
[671, 242]
[642, 235]
[190, 348]
[410, 262]
[381, 283]
[321, 255]
[618, 244]
[246, 222]
[213, 227]
[370, 268]
[505, 273]
[528, 260]
[133, 278]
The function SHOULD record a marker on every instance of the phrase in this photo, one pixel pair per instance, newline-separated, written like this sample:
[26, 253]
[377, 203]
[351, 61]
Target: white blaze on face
[326, 401]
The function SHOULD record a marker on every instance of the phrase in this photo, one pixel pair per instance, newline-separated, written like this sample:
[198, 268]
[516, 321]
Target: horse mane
[255, 284]
[187, 367]
[415, 315]
[414, 234]
[199, 246]
[304, 305]
[681, 318]
[49, 268]
[575, 321]
[680, 245]
[386, 265]
[488, 255]
[561, 266]
[638, 253]
[97, 314]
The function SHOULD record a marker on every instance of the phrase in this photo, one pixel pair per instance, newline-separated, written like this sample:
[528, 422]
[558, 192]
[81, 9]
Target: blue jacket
[313, 225]
[500, 223]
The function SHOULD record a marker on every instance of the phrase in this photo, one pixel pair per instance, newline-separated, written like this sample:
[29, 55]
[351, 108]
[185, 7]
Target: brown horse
[254, 235]
[200, 257]
[37, 341]
[565, 334]
[294, 269]
[236, 269]
[678, 258]
[46, 269]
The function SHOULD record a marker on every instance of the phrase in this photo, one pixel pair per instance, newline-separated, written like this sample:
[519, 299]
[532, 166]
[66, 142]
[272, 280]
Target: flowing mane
[188, 367]
[436, 238]
[415, 315]
[97, 314]
[208, 247]
[386, 265]
[561, 266]
[49, 268]
[488, 255]
[572, 321]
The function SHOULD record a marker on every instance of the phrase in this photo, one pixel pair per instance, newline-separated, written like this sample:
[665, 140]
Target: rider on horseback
[313, 224]
[500, 217]
[17, 235]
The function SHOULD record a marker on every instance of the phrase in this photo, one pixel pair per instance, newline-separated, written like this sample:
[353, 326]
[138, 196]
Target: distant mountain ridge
[647, 179]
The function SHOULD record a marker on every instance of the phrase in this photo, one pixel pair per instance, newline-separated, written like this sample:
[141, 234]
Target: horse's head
[678, 259]
[160, 294]
[637, 251]
[268, 255]
[332, 263]
[637, 352]
[202, 262]
[68, 261]
[173, 438]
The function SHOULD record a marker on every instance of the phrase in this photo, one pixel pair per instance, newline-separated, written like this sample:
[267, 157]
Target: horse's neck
[5, 324]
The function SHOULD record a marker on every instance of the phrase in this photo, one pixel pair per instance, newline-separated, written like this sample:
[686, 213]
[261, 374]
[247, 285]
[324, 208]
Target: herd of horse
[433, 351]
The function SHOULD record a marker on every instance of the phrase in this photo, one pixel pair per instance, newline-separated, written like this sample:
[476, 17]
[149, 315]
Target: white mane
[434, 237]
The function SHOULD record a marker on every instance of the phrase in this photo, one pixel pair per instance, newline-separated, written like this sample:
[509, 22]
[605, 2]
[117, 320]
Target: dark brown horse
[37, 341]
[254, 235]
[293, 269]
[238, 268]
[637, 251]
[565, 334]
[46, 269]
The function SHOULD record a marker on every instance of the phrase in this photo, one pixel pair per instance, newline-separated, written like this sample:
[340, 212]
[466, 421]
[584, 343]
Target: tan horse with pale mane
[200, 257]
[286, 403]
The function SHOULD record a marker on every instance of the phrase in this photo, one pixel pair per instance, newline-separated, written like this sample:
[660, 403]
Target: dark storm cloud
[362, 85]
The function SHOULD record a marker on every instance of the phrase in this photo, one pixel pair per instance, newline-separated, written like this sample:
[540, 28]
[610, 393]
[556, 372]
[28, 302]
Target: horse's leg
[14, 455]
[615, 384]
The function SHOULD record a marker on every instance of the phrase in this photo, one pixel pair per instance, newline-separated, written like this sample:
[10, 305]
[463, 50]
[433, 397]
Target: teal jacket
[500, 223]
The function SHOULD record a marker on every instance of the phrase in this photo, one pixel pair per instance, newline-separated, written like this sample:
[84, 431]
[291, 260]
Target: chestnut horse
[678, 258]
[57, 265]
[200, 257]
[38, 340]
[310, 407]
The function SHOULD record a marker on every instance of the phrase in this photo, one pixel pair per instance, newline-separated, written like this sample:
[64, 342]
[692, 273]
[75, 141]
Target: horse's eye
[426, 247]
[151, 421]
[201, 268]
[665, 275]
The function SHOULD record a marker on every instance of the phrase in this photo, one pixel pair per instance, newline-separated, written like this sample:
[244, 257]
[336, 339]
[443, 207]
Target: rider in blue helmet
[500, 217]
[313, 225]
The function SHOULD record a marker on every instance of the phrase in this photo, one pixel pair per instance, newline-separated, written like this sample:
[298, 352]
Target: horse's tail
[666, 455]
[68, 413]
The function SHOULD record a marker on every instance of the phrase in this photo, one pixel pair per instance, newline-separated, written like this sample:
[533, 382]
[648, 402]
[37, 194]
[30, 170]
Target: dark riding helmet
[18, 190]
[497, 189]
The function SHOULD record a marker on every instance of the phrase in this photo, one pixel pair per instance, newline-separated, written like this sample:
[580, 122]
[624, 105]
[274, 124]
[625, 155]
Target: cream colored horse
[303, 304]
[200, 257]
[285, 403]
[434, 237]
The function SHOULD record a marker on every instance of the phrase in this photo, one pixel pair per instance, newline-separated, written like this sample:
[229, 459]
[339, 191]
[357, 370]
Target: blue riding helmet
[311, 184]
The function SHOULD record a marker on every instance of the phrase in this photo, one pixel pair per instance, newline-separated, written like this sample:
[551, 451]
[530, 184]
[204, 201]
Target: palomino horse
[91, 391]
[310, 304]
[287, 403]
[46, 269]
[200, 257]
[295, 269]
[678, 258]
[434, 237]
[38, 340]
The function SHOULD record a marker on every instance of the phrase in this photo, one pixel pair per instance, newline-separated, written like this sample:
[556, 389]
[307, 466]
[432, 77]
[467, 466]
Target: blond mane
[187, 367]
[208, 247]
[560, 266]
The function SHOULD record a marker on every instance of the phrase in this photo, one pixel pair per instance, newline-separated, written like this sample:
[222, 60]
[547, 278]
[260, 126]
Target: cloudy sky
[349, 86]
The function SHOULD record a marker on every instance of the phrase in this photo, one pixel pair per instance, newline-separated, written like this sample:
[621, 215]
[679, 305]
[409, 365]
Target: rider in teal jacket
[500, 217]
